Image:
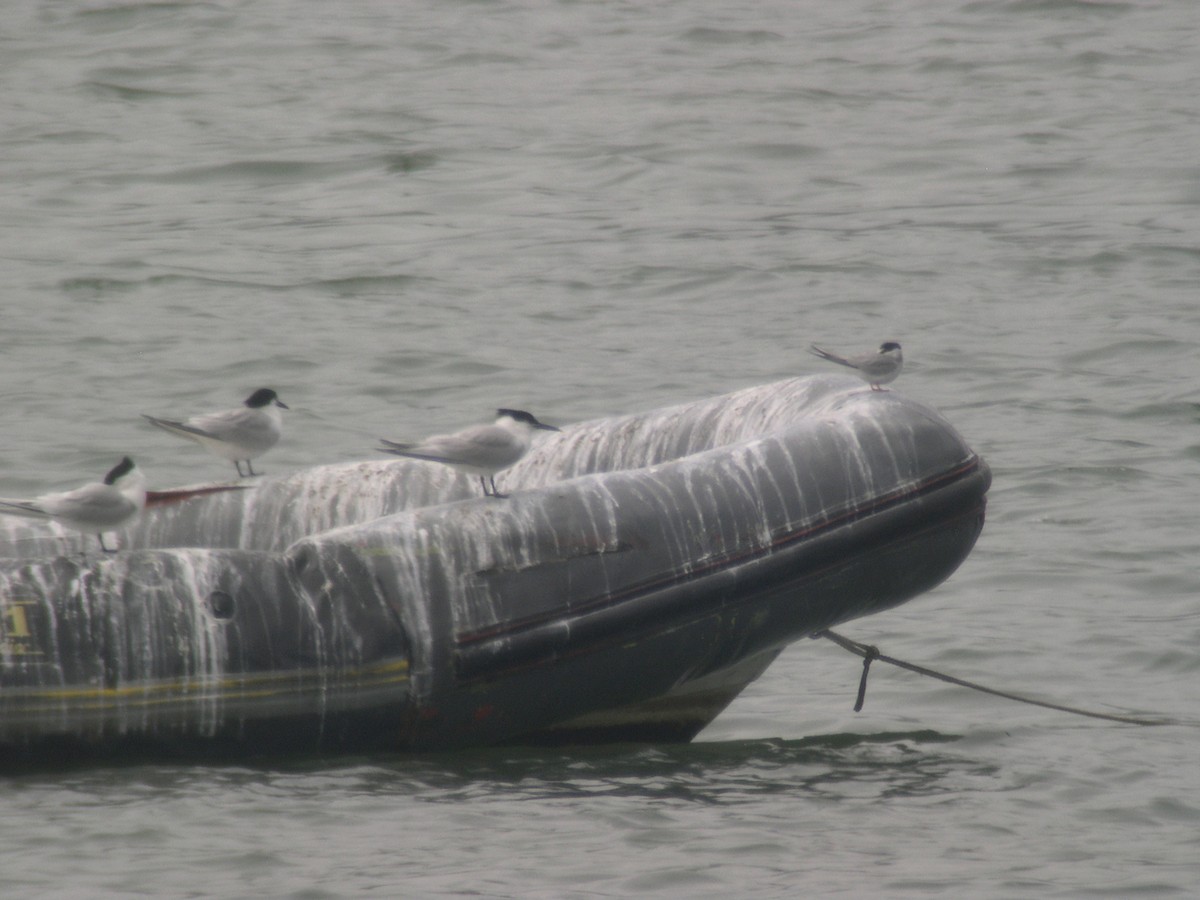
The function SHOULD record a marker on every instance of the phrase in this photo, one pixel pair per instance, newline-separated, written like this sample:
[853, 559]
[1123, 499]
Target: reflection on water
[840, 766]
[836, 766]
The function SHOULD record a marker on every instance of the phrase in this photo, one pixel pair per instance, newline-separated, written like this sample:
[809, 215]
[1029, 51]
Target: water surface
[401, 216]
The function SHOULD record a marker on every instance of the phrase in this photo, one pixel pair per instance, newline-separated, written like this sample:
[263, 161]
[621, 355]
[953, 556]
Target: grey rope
[869, 653]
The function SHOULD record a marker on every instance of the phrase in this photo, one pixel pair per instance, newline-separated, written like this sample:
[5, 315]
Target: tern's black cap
[120, 470]
[264, 397]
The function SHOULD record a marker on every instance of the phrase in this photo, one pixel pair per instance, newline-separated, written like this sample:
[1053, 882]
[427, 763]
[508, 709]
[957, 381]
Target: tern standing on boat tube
[238, 435]
[482, 450]
[875, 369]
[94, 508]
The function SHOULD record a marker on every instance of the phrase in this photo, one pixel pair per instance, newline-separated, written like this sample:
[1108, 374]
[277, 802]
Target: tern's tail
[394, 447]
[832, 357]
[410, 451]
[176, 428]
[25, 508]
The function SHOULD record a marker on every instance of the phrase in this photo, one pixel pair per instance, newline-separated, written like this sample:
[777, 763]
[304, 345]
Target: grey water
[404, 215]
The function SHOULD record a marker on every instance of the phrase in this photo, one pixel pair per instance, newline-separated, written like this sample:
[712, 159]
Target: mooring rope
[869, 654]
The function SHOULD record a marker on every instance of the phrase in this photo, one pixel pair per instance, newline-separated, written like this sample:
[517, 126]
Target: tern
[235, 434]
[482, 450]
[874, 368]
[96, 508]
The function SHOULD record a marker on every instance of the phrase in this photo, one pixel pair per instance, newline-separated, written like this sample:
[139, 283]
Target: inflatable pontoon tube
[643, 571]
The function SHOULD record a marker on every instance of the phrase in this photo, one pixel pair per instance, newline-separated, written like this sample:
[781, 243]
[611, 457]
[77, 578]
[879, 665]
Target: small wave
[413, 161]
[112, 90]
[703, 35]
[349, 285]
[257, 170]
[358, 284]
[1069, 7]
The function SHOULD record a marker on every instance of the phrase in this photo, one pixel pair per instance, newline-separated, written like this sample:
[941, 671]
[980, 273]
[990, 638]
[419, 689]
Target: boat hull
[642, 572]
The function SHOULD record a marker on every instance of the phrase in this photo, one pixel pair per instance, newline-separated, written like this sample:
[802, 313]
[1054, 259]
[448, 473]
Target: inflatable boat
[640, 573]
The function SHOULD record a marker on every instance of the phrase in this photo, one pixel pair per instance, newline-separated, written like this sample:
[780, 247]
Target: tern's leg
[495, 493]
[100, 538]
[250, 469]
[238, 463]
